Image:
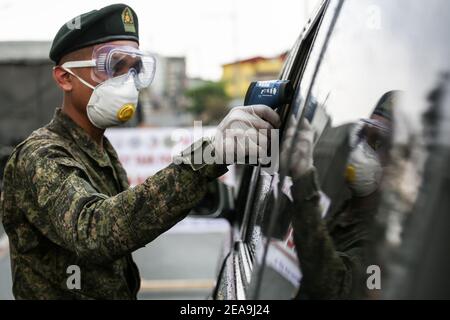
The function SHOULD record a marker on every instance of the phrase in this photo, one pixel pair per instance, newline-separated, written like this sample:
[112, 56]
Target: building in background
[238, 75]
[28, 93]
[164, 102]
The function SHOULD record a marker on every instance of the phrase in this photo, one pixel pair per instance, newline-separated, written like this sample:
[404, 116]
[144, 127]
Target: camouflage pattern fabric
[332, 251]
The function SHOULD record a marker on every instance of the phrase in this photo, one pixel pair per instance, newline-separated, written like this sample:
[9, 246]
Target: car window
[371, 53]
[282, 275]
[378, 48]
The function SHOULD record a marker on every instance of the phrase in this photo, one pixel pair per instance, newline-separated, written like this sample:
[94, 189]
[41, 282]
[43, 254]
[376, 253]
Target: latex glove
[301, 155]
[245, 134]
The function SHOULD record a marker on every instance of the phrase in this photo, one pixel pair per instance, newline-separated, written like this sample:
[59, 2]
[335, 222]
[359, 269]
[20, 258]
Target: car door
[254, 196]
[371, 48]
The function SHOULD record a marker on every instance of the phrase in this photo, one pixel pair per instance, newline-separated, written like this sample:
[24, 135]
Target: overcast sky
[208, 32]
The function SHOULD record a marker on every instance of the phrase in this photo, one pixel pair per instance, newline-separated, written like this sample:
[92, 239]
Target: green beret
[114, 22]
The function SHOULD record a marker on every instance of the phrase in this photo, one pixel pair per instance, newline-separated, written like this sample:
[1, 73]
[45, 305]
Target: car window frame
[309, 82]
[298, 62]
[294, 74]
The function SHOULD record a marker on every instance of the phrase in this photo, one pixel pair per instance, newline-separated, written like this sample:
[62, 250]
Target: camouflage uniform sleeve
[70, 212]
[327, 272]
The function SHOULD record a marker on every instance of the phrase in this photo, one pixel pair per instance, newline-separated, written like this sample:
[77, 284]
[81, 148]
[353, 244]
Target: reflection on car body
[340, 67]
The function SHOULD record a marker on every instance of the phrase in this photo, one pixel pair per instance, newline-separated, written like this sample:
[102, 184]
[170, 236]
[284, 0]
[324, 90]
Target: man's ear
[62, 79]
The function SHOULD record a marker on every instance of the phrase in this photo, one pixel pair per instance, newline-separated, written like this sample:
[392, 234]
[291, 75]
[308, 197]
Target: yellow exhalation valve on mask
[126, 112]
[350, 173]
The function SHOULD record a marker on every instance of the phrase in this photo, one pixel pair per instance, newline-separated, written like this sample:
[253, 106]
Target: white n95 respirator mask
[113, 102]
[364, 170]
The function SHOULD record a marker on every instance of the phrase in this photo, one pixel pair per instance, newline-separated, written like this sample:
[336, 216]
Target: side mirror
[216, 203]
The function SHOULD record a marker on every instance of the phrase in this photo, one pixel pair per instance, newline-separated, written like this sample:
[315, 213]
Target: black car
[347, 56]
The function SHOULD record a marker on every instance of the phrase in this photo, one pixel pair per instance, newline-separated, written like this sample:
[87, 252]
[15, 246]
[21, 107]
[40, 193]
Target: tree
[208, 102]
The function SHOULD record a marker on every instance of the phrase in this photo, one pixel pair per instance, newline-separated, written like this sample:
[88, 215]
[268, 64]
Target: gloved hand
[302, 149]
[245, 133]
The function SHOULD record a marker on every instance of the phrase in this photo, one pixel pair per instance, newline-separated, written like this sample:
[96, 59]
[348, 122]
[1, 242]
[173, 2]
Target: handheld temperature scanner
[273, 93]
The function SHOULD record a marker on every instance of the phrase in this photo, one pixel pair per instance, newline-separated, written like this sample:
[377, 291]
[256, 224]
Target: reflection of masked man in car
[332, 250]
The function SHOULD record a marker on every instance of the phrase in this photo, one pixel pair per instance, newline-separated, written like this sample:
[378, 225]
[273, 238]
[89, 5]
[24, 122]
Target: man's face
[80, 93]
[378, 140]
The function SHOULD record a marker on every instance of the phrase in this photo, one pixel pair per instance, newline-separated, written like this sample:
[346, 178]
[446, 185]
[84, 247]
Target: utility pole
[235, 44]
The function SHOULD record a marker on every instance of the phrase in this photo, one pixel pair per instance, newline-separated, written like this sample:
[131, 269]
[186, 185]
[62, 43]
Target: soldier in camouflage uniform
[66, 200]
[332, 250]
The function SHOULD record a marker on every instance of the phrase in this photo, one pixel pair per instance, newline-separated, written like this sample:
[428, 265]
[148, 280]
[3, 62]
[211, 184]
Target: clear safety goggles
[110, 61]
[376, 133]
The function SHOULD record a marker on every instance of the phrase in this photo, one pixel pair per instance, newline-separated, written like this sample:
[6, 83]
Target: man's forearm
[167, 197]
[325, 273]
[138, 215]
